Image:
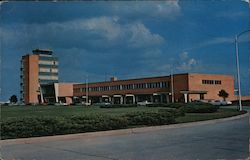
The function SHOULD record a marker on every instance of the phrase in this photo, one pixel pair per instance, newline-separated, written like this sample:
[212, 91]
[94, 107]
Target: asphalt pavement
[223, 140]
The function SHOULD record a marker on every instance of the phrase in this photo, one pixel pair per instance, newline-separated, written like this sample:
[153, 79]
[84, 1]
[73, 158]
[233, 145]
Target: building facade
[164, 89]
[37, 69]
[39, 84]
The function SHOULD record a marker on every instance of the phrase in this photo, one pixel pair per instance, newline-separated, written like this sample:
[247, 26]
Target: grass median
[35, 121]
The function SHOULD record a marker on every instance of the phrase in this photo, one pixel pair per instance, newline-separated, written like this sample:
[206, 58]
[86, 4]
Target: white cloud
[186, 64]
[183, 56]
[144, 9]
[183, 63]
[93, 32]
[142, 36]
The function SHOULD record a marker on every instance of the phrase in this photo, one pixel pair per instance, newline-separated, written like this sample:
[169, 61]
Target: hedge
[46, 126]
[188, 107]
[200, 108]
[150, 118]
[169, 105]
[118, 106]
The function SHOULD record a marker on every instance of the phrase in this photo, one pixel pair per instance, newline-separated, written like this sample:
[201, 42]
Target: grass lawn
[62, 111]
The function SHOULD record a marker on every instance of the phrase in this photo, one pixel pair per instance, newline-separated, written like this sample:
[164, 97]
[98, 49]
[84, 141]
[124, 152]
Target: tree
[223, 94]
[13, 99]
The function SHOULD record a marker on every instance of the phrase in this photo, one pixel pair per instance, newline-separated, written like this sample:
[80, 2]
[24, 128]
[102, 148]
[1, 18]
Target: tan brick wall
[30, 78]
[33, 78]
[65, 90]
[227, 83]
[182, 82]
[125, 82]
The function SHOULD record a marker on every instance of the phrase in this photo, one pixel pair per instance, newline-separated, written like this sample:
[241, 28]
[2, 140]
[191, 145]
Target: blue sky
[126, 39]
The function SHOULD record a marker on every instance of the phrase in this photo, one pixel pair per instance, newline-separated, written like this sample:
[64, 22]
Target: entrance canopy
[186, 93]
[193, 92]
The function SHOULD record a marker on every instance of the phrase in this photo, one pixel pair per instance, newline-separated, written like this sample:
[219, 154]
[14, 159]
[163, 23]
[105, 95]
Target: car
[86, 103]
[143, 103]
[102, 104]
[220, 103]
[61, 104]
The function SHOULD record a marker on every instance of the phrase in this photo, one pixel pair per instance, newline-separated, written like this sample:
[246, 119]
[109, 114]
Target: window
[213, 82]
[165, 84]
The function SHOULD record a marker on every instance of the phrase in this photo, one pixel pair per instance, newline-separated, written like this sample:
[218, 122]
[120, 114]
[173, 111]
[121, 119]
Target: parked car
[86, 103]
[220, 103]
[102, 104]
[143, 103]
[61, 104]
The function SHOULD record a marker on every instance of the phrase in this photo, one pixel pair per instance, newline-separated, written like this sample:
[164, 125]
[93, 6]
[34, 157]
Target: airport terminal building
[178, 88]
[40, 84]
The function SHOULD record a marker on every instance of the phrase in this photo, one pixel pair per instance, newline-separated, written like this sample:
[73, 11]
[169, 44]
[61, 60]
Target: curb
[114, 132]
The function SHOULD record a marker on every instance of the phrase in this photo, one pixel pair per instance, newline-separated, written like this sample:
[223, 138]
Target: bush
[176, 112]
[156, 105]
[169, 105]
[200, 108]
[45, 126]
[150, 118]
[118, 106]
[175, 105]
[195, 107]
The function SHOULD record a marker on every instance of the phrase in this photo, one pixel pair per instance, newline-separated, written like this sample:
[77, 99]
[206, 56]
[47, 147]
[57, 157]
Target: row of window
[53, 70]
[43, 77]
[48, 62]
[217, 82]
[125, 87]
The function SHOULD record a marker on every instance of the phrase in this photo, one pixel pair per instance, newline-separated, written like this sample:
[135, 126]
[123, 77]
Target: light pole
[172, 85]
[87, 90]
[238, 65]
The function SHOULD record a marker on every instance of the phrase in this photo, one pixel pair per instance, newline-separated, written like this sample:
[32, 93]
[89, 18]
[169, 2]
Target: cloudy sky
[126, 39]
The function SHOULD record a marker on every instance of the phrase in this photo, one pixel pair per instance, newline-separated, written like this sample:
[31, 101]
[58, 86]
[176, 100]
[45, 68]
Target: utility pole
[172, 85]
[87, 91]
[238, 66]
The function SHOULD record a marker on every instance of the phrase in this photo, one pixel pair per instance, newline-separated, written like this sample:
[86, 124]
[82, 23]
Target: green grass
[221, 113]
[63, 111]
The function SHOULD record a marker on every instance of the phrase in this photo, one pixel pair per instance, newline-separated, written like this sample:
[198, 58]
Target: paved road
[224, 140]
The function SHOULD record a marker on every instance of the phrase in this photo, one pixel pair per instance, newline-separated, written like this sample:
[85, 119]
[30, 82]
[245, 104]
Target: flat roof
[122, 80]
[142, 78]
[42, 51]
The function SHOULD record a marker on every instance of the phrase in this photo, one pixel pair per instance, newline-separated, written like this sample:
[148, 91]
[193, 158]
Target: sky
[126, 39]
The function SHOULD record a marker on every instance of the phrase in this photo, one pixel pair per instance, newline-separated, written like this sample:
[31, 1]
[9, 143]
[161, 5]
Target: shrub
[45, 126]
[200, 108]
[118, 106]
[150, 118]
[175, 105]
[156, 105]
[176, 112]
[169, 105]
[195, 107]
